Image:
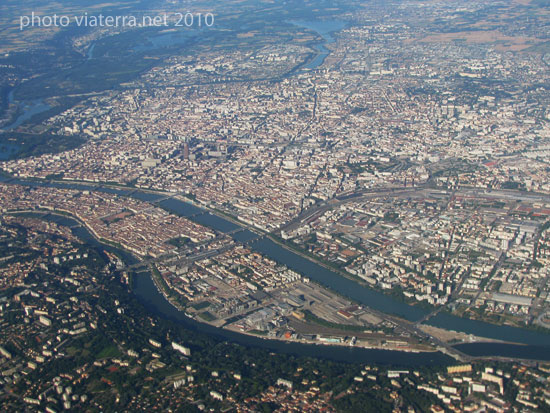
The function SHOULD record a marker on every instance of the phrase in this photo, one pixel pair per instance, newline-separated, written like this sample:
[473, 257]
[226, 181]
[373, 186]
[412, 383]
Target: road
[419, 191]
[359, 196]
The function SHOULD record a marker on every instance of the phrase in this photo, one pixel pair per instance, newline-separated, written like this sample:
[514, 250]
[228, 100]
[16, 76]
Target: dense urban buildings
[363, 177]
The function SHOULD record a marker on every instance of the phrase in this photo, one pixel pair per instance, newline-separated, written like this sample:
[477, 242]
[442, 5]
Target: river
[27, 110]
[148, 294]
[533, 344]
[324, 28]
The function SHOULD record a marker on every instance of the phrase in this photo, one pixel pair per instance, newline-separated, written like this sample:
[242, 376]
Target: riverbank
[336, 282]
[165, 292]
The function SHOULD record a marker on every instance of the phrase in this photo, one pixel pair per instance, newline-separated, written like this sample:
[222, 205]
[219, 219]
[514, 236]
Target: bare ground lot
[502, 42]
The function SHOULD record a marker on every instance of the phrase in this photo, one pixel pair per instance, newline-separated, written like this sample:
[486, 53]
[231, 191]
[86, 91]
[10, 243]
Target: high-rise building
[186, 150]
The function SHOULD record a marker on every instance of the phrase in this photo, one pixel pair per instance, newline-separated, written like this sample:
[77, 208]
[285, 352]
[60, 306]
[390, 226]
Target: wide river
[148, 294]
[324, 28]
[533, 345]
[26, 111]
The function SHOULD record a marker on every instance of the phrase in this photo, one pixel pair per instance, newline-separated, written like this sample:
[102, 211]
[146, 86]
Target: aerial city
[275, 206]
